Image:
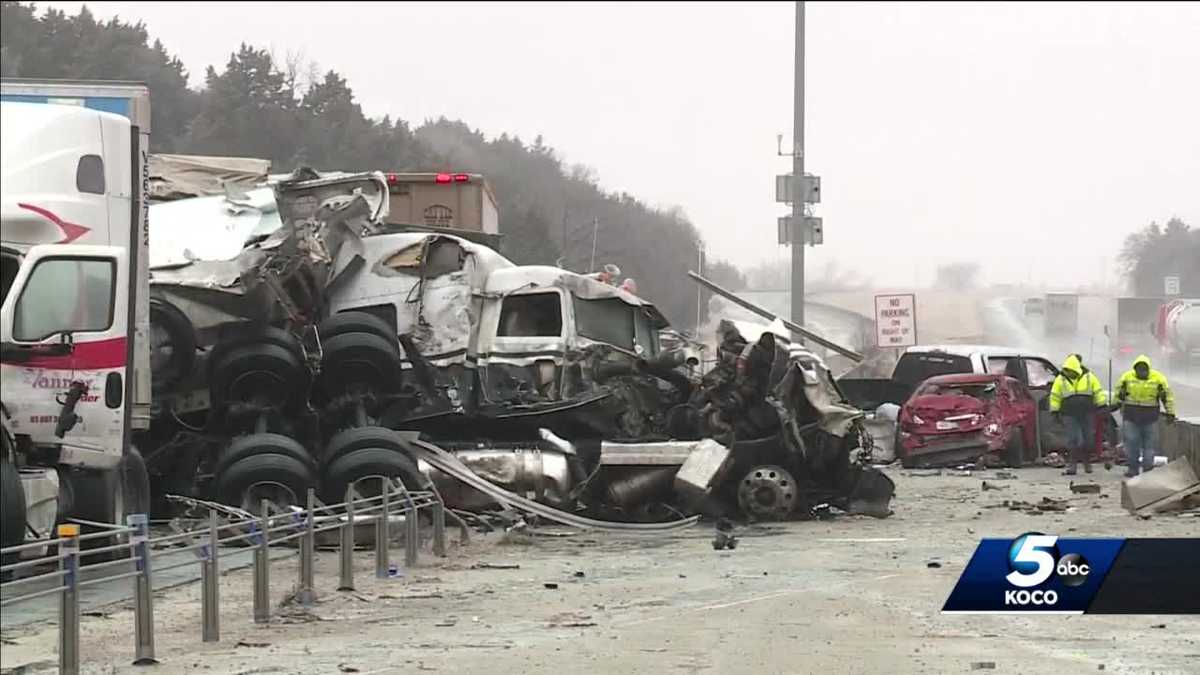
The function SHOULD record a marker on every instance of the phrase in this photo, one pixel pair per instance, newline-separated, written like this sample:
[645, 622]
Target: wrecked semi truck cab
[315, 329]
[74, 347]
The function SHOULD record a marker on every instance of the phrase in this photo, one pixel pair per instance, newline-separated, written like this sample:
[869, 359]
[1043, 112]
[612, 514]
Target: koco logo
[1033, 558]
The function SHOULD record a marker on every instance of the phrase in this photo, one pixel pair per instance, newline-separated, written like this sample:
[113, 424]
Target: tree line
[258, 106]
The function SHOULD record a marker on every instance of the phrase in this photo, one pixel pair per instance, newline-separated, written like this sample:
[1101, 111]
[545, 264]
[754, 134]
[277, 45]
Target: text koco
[1024, 597]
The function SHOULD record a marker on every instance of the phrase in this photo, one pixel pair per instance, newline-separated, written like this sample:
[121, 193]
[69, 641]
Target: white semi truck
[74, 323]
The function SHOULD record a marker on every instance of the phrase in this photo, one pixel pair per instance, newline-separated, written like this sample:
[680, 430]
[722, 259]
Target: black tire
[359, 360]
[180, 337]
[94, 497]
[347, 441]
[242, 335]
[344, 323]
[234, 483]
[368, 462]
[12, 504]
[266, 374]
[1014, 452]
[260, 444]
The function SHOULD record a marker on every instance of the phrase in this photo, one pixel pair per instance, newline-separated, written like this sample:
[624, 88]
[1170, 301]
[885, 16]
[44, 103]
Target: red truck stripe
[97, 355]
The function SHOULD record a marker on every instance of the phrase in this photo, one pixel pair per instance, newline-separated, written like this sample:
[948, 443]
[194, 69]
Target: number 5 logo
[1029, 554]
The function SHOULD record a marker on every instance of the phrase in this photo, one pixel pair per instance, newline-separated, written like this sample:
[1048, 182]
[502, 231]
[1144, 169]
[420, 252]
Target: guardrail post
[262, 568]
[143, 592]
[307, 595]
[439, 528]
[346, 546]
[381, 534]
[210, 583]
[412, 534]
[68, 600]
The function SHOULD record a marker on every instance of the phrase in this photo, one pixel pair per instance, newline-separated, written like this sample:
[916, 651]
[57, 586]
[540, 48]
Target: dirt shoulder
[842, 596]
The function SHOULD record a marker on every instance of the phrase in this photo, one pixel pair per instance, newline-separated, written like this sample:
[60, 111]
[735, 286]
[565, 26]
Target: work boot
[1131, 473]
[1087, 468]
[1070, 471]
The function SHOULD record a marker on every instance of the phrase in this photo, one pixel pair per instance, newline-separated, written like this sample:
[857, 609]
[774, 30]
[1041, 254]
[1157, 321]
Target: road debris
[1085, 488]
[1173, 487]
[724, 538]
[988, 486]
[495, 566]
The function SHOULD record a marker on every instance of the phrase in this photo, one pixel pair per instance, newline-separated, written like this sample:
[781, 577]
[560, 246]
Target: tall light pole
[798, 170]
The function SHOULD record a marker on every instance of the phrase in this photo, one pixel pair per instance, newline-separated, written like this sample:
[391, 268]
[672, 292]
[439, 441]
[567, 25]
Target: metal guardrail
[261, 532]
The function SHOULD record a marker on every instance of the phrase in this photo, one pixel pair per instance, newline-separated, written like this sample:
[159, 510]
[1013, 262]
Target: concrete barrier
[1181, 439]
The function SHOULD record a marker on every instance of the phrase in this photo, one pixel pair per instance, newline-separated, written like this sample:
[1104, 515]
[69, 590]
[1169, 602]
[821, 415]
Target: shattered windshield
[609, 320]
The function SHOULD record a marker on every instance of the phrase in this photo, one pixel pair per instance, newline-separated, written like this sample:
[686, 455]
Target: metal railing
[137, 550]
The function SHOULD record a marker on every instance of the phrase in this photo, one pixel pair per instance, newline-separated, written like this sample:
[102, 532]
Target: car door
[65, 322]
[1024, 411]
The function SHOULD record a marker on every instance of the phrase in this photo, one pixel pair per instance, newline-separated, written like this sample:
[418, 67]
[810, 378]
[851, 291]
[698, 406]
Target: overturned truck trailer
[297, 335]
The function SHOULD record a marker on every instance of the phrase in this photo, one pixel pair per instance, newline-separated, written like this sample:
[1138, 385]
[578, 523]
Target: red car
[951, 419]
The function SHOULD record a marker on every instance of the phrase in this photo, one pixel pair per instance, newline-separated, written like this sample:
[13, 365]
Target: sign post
[896, 320]
[1171, 285]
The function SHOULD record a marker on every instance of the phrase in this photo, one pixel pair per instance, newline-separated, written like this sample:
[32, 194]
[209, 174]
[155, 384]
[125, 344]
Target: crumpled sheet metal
[448, 463]
[215, 243]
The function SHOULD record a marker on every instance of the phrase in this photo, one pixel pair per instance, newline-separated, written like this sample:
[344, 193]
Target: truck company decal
[98, 355]
[71, 231]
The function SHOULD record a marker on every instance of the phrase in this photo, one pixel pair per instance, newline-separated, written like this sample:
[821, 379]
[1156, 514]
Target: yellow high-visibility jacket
[1140, 398]
[1078, 397]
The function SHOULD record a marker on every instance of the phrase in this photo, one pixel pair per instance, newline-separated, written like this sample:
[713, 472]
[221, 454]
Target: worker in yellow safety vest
[1140, 391]
[1074, 398]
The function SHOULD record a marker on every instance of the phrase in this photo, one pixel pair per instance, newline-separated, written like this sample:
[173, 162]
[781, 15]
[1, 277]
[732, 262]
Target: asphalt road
[851, 595]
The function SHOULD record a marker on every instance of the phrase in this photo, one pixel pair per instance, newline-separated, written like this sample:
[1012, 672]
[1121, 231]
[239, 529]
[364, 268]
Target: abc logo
[1033, 558]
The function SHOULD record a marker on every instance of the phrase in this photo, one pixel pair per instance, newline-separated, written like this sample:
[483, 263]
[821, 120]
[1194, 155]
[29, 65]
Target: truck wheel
[359, 361]
[266, 374]
[280, 479]
[344, 323]
[355, 466]
[347, 441]
[109, 496]
[12, 504]
[1014, 452]
[242, 335]
[172, 345]
[257, 444]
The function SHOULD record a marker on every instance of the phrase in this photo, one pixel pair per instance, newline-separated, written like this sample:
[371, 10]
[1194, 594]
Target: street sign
[1171, 285]
[896, 320]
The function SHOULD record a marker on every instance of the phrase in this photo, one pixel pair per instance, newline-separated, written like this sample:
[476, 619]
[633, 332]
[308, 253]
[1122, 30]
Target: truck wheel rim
[279, 497]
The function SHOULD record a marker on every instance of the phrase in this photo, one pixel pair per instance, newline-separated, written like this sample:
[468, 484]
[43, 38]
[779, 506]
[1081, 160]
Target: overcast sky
[1028, 136]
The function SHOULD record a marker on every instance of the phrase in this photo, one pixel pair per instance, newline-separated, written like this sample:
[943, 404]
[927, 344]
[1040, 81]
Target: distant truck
[1062, 313]
[462, 204]
[1178, 332]
[1136, 322]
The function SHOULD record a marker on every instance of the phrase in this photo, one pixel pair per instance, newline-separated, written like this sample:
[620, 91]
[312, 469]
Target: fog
[1029, 137]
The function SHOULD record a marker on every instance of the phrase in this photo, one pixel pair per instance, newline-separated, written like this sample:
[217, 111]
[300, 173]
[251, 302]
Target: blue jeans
[1079, 432]
[1139, 444]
